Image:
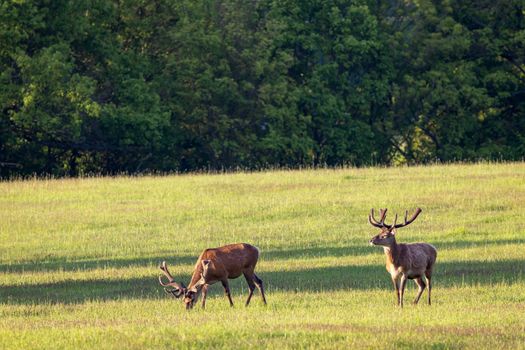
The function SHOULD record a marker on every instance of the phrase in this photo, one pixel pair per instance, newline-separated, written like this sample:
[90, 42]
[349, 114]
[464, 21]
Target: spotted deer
[404, 261]
[217, 265]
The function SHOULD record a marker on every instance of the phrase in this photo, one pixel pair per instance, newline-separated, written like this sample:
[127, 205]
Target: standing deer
[404, 261]
[214, 265]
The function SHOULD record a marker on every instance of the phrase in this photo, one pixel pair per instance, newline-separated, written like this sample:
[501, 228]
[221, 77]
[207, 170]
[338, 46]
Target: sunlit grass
[79, 257]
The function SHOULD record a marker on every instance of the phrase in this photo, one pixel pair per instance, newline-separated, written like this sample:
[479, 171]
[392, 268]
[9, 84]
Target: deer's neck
[195, 277]
[392, 254]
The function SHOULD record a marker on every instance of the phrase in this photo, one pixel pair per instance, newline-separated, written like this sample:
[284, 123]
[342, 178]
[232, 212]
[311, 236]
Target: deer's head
[191, 293]
[387, 237]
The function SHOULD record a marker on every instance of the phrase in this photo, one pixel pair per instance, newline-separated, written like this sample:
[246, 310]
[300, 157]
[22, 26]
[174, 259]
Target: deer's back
[231, 260]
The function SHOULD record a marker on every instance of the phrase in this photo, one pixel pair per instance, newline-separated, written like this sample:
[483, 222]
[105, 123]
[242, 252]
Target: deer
[404, 261]
[217, 265]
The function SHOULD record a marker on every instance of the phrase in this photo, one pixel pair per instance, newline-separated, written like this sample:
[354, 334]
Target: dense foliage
[136, 85]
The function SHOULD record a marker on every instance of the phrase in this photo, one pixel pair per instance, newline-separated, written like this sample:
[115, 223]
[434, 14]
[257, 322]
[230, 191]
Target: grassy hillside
[79, 257]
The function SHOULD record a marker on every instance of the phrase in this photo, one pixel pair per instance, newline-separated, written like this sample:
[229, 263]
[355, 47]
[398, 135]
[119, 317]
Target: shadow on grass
[82, 264]
[63, 264]
[458, 244]
[366, 277]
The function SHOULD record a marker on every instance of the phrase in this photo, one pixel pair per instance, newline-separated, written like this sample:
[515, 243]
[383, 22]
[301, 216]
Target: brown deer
[217, 265]
[404, 261]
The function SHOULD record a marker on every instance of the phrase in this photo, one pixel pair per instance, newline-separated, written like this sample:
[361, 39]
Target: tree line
[112, 86]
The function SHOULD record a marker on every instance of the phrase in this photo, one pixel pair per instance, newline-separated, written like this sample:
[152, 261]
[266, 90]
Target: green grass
[79, 257]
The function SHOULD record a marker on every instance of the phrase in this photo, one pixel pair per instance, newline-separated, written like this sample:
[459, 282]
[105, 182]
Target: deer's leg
[402, 285]
[251, 285]
[227, 291]
[421, 287]
[204, 292]
[259, 284]
[396, 287]
[428, 274]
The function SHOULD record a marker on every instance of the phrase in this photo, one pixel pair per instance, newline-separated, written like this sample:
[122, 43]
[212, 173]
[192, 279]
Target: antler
[178, 288]
[372, 220]
[381, 222]
[418, 211]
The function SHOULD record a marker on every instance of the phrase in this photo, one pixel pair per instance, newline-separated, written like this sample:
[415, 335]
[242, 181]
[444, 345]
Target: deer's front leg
[402, 285]
[204, 292]
[227, 291]
[395, 280]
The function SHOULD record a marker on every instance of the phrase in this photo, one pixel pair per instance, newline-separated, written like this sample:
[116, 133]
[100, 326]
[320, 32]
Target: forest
[133, 86]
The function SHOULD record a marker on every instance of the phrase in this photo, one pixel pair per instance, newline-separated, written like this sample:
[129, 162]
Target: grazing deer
[404, 261]
[217, 265]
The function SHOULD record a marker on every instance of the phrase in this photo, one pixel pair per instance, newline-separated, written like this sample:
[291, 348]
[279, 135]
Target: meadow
[79, 259]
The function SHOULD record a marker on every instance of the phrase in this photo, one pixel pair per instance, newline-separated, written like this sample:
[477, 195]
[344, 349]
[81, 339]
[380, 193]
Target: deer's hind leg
[428, 275]
[421, 287]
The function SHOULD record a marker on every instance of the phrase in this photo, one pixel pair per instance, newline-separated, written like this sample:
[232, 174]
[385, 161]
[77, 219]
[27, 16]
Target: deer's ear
[205, 266]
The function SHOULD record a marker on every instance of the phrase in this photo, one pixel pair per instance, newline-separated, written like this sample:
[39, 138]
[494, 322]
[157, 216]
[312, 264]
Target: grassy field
[79, 259]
